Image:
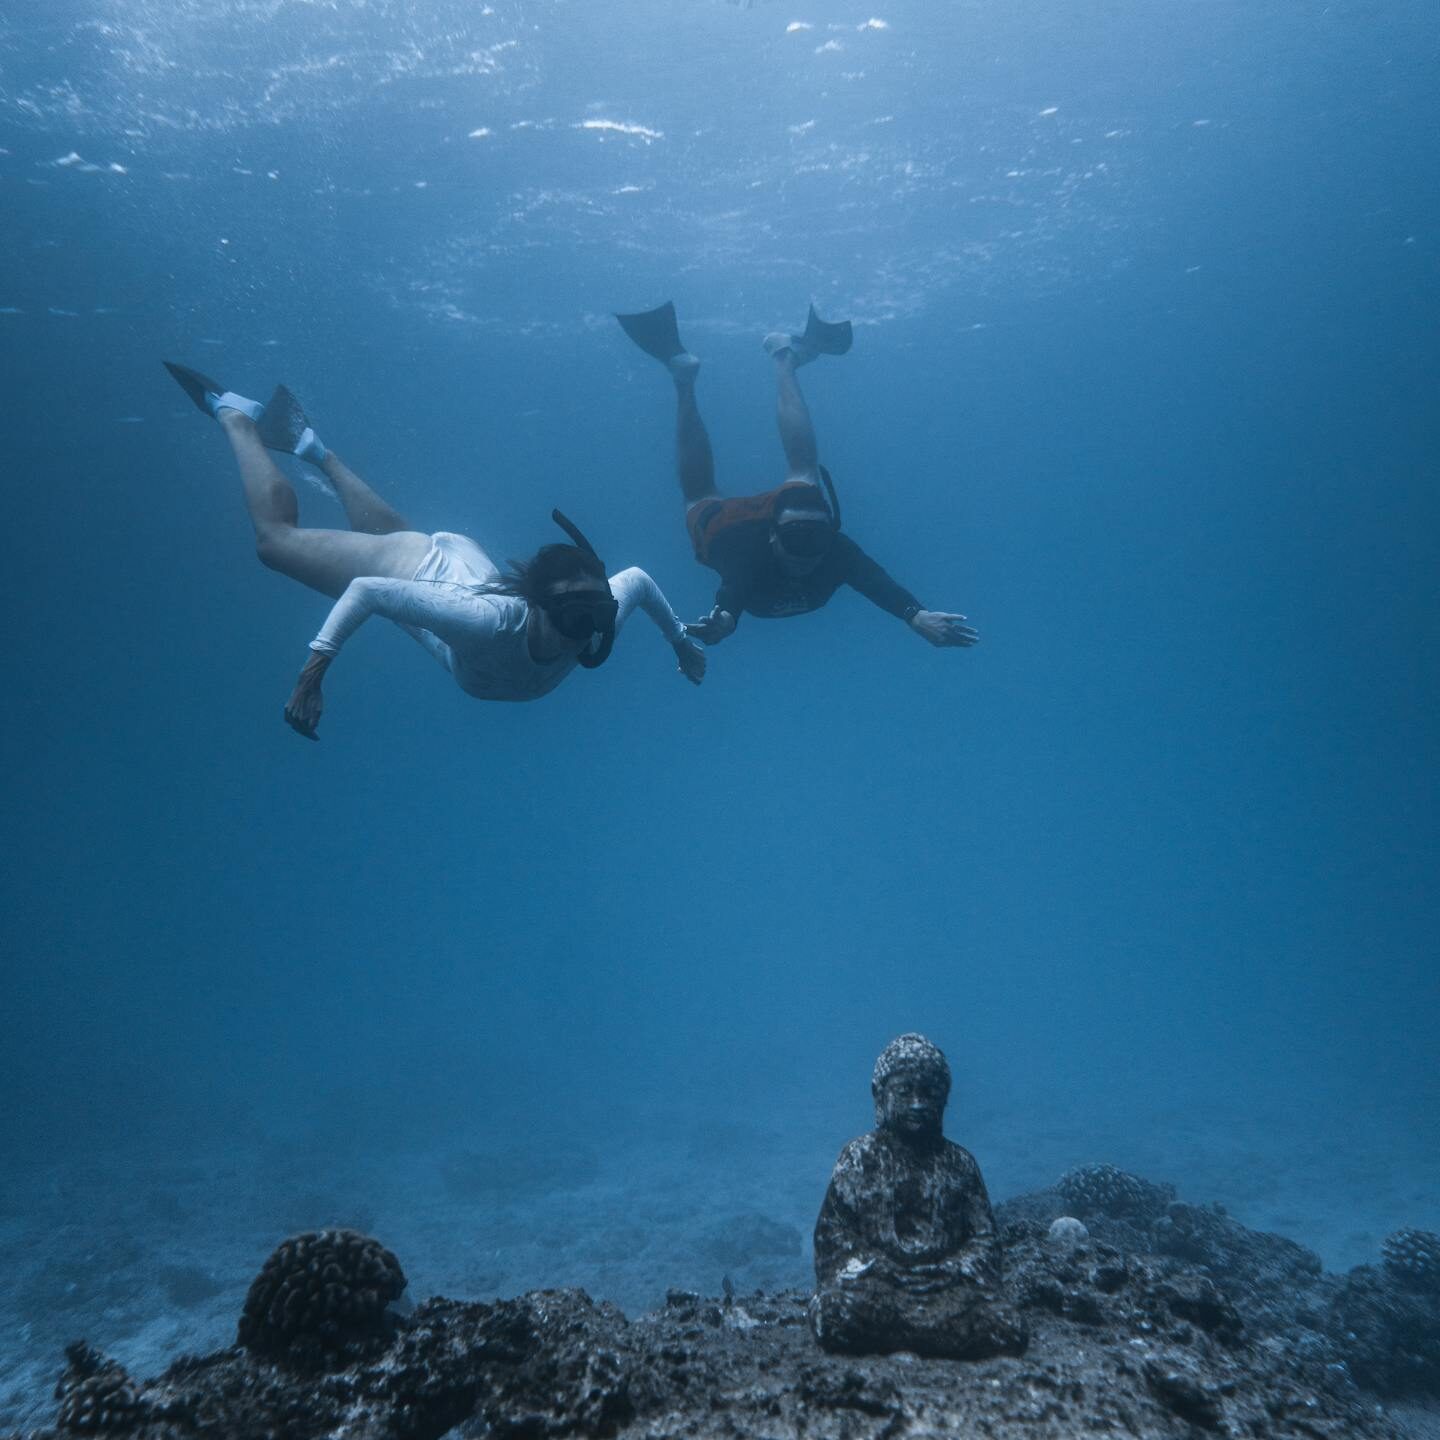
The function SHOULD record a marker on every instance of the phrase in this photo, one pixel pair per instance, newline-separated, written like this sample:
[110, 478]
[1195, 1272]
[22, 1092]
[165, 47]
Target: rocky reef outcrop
[1159, 1319]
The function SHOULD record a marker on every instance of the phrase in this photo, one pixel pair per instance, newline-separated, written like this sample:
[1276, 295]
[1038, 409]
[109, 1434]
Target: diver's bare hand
[714, 627]
[942, 629]
[691, 658]
[304, 707]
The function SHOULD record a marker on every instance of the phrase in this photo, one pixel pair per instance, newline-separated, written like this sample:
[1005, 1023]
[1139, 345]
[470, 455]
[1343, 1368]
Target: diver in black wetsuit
[781, 552]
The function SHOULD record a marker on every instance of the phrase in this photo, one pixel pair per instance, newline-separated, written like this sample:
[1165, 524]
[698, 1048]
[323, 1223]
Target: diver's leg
[657, 333]
[284, 426]
[694, 459]
[797, 430]
[325, 560]
[364, 509]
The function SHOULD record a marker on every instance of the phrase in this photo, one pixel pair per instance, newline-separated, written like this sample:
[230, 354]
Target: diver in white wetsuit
[512, 636]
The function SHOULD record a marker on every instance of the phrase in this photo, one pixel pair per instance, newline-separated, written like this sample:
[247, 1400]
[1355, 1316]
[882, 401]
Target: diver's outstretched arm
[454, 614]
[633, 589]
[738, 579]
[939, 627]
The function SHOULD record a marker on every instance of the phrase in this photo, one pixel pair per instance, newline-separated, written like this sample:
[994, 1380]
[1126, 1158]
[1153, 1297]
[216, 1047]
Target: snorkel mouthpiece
[590, 659]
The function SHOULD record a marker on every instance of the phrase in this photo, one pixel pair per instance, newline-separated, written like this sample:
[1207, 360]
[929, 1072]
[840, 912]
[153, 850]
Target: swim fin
[821, 337]
[655, 331]
[284, 427]
[209, 395]
[826, 337]
[195, 385]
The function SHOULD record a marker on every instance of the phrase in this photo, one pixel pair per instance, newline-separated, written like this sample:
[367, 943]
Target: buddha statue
[906, 1252]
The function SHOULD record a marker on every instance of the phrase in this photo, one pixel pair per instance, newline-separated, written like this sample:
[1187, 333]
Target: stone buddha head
[911, 1083]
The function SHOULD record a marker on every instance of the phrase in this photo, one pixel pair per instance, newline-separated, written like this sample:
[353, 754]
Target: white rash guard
[479, 638]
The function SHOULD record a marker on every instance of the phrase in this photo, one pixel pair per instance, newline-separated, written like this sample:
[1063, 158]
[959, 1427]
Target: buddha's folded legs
[878, 1319]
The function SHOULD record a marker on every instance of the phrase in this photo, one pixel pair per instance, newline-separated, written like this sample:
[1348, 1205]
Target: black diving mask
[805, 539]
[579, 614]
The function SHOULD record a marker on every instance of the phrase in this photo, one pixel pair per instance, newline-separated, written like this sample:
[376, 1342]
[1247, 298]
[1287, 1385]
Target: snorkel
[834, 498]
[605, 628]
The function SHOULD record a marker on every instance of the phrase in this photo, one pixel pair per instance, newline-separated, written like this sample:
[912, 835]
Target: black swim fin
[656, 331]
[826, 337]
[195, 385]
[285, 427]
[283, 422]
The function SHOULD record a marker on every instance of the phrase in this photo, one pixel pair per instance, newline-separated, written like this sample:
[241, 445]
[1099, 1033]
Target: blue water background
[1144, 382]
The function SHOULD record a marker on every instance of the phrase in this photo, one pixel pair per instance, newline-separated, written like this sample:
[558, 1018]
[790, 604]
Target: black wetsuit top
[753, 580]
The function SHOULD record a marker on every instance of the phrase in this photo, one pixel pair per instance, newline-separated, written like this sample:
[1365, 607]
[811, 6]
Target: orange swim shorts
[707, 519]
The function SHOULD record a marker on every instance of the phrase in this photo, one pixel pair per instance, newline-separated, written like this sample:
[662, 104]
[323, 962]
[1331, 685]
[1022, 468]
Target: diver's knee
[273, 545]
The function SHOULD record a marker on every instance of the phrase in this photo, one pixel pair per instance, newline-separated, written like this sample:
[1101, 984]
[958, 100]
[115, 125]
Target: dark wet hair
[800, 497]
[531, 580]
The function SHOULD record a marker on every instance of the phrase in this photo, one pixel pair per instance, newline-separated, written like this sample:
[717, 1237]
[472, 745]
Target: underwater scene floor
[148, 1253]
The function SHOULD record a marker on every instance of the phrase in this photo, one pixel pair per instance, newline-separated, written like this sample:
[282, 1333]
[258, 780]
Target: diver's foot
[789, 348]
[232, 419]
[211, 397]
[821, 337]
[685, 367]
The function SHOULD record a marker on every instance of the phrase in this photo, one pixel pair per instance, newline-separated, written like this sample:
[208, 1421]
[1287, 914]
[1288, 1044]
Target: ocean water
[587, 991]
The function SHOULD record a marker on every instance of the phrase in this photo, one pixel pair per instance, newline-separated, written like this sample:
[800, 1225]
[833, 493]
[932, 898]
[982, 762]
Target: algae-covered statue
[906, 1254]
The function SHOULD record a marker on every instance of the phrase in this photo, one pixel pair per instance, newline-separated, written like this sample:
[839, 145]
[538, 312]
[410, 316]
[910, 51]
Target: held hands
[714, 627]
[691, 657]
[942, 630]
[302, 710]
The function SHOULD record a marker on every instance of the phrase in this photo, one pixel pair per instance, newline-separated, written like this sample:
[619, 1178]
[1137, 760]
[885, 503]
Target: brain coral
[1106, 1190]
[320, 1290]
[1413, 1258]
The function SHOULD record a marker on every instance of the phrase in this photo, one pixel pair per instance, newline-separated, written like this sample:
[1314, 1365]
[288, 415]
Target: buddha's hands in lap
[924, 1279]
[930, 1279]
[863, 1267]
